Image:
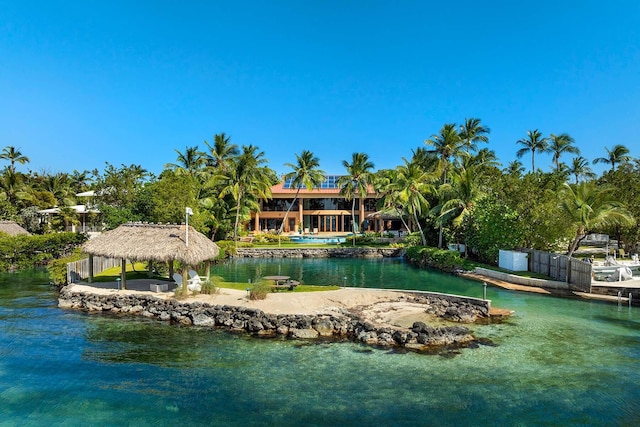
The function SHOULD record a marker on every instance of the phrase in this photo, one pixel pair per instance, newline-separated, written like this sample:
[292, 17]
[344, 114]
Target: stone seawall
[337, 252]
[344, 326]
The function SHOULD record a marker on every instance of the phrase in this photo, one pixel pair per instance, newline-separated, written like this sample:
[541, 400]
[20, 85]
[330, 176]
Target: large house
[321, 210]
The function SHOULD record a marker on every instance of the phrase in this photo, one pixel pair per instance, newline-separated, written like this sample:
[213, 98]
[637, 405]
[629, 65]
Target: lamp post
[188, 213]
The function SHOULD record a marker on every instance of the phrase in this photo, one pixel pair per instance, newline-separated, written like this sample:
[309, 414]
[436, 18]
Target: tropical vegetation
[452, 189]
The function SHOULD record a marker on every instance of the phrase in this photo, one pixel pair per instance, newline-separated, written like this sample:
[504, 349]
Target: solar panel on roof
[330, 181]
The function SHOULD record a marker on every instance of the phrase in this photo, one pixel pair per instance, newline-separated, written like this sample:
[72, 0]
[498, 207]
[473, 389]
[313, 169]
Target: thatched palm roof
[153, 242]
[12, 228]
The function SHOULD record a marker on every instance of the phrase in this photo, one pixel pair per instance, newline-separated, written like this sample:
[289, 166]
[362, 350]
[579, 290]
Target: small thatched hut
[153, 242]
[12, 228]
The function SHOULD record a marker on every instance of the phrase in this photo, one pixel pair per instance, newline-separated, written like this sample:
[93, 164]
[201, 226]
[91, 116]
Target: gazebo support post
[185, 280]
[90, 268]
[150, 265]
[123, 273]
[171, 270]
[208, 267]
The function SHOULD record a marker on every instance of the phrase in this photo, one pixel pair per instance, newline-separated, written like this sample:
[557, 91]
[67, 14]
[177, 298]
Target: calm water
[556, 362]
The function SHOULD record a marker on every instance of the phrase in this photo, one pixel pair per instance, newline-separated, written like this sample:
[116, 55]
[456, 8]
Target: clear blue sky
[127, 82]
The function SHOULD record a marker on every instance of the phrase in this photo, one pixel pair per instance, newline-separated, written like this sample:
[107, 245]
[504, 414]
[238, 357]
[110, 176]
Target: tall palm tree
[458, 196]
[580, 168]
[618, 154]
[190, 161]
[447, 145]
[355, 183]
[588, 207]
[561, 144]
[222, 152]
[412, 184]
[248, 181]
[533, 142]
[14, 155]
[306, 173]
[472, 132]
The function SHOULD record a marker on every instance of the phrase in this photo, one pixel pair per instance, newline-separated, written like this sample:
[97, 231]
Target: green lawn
[112, 274]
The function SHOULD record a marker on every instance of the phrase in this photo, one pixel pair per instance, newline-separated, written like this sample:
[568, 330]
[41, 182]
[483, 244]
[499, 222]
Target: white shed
[513, 260]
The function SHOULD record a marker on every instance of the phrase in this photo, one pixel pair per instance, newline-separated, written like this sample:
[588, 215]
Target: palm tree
[484, 159]
[385, 184]
[515, 168]
[426, 159]
[11, 186]
[222, 152]
[14, 156]
[589, 207]
[533, 142]
[561, 144]
[447, 145]
[472, 132]
[306, 173]
[618, 154]
[355, 183]
[59, 185]
[458, 196]
[190, 162]
[580, 168]
[248, 181]
[412, 183]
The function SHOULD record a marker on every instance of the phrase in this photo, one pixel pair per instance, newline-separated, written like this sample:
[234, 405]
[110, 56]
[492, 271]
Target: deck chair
[621, 253]
[195, 282]
[192, 286]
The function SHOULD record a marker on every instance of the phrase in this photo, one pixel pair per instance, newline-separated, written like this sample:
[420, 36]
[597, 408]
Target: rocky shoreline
[341, 325]
[337, 252]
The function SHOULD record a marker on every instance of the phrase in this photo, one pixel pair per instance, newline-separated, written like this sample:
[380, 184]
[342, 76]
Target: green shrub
[260, 290]
[413, 239]
[209, 287]
[227, 248]
[433, 257]
[29, 251]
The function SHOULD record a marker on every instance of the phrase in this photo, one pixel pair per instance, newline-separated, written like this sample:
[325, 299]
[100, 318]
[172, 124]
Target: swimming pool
[318, 239]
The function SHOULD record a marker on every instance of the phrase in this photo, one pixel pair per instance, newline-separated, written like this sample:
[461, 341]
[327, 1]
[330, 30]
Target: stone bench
[156, 287]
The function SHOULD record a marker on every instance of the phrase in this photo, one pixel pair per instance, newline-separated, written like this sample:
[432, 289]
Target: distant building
[321, 210]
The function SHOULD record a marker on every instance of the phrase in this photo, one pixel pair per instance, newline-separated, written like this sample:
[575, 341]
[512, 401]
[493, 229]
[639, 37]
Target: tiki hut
[153, 242]
[12, 228]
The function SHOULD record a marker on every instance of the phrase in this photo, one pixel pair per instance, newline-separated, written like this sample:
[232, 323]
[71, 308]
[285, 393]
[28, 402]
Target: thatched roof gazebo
[12, 228]
[153, 242]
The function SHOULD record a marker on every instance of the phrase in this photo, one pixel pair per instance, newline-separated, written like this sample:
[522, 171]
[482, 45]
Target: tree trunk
[424, 239]
[287, 214]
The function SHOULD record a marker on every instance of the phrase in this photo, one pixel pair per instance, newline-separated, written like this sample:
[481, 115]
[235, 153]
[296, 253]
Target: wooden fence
[556, 266]
[78, 270]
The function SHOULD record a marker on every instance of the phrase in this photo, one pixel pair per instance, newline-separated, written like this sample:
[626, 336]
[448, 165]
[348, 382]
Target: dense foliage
[25, 251]
[441, 259]
[451, 190]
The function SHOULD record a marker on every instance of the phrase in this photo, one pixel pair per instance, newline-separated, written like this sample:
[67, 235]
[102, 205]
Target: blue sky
[128, 82]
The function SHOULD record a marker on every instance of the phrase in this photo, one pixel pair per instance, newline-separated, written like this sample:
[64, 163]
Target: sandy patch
[383, 307]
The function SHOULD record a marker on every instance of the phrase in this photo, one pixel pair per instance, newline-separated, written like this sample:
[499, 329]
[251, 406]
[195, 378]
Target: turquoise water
[555, 362]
